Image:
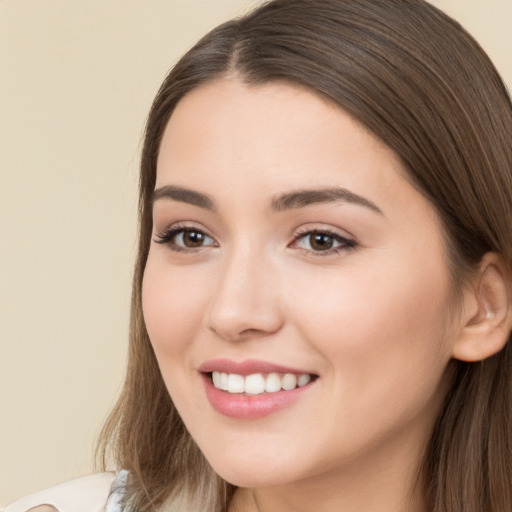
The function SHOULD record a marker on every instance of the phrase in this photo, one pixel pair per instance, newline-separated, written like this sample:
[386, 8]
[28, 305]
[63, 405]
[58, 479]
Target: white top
[94, 493]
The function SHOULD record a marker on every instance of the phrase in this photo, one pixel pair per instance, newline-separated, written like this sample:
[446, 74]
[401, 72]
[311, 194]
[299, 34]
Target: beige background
[76, 81]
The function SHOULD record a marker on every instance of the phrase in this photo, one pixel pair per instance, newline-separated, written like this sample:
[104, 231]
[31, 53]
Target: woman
[321, 305]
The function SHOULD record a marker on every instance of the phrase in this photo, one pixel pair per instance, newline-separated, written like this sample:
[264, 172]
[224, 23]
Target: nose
[245, 302]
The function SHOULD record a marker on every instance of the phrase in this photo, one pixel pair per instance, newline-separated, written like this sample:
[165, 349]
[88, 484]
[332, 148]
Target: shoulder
[85, 494]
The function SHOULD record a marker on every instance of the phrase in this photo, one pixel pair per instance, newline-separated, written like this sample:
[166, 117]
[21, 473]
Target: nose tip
[238, 327]
[245, 305]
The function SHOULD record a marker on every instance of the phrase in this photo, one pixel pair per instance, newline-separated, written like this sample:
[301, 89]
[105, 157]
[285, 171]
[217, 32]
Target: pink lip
[247, 367]
[249, 407]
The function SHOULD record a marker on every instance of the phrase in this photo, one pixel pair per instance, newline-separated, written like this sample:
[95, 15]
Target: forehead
[278, 128]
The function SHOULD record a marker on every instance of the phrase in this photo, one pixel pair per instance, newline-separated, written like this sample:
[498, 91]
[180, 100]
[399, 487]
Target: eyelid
[347, 242]
[165, 236]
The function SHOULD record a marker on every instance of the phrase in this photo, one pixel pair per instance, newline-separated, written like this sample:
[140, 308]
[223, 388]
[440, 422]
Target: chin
[260, 472]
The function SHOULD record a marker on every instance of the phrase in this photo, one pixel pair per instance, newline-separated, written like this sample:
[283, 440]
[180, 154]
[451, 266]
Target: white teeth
[216, 379]
[289, 381]
[254, 384]
[257, 383]
[303, 380]
[273, 383]
[220, 380]
[224, 381]
[236, 383]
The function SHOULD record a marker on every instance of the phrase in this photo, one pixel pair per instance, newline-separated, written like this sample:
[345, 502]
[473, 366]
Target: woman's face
[287, 241]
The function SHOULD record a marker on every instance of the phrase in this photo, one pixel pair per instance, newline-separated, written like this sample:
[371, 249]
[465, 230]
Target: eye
[322, 242]
[180, 239]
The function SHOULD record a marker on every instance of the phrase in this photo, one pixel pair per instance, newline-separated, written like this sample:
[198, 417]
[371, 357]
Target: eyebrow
[184, 195]
[303, 198]
[288, 201]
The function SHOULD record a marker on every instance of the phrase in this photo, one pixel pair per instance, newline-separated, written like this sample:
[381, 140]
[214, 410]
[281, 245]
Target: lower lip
[250, 407]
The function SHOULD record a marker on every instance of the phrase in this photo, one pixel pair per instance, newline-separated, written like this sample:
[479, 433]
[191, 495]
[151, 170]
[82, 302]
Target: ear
[487, 312]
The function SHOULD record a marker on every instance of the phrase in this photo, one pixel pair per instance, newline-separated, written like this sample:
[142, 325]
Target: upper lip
[247, 367]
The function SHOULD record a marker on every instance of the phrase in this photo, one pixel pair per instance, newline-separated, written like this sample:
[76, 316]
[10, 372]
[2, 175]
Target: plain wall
[76, 81]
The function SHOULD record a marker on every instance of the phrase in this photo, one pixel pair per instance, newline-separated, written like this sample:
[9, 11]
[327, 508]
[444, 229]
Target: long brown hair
[418, 81]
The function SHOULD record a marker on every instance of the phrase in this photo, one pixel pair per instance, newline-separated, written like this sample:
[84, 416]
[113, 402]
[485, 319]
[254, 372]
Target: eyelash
[346, 244]
[166, 238]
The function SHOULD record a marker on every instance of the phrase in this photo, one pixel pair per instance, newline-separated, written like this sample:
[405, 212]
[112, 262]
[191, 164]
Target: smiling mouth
[259, 383]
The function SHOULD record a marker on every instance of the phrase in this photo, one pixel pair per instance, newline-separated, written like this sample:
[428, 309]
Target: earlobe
[487, 314]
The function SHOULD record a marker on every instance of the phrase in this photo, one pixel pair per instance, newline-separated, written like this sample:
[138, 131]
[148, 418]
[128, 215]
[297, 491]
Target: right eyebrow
[183, 195]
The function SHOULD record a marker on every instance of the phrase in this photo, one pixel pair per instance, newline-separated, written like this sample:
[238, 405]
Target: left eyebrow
[303, 198]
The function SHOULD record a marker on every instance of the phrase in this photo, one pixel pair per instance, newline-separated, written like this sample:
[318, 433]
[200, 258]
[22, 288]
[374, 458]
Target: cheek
[173, 304]
[383, 338]
[382, 329]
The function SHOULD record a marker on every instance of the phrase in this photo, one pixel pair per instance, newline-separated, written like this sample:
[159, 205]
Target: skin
[371, 320]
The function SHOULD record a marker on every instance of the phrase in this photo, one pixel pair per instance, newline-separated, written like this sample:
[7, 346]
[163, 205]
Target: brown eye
[191, 238]
[321, 241]
[180, 239]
